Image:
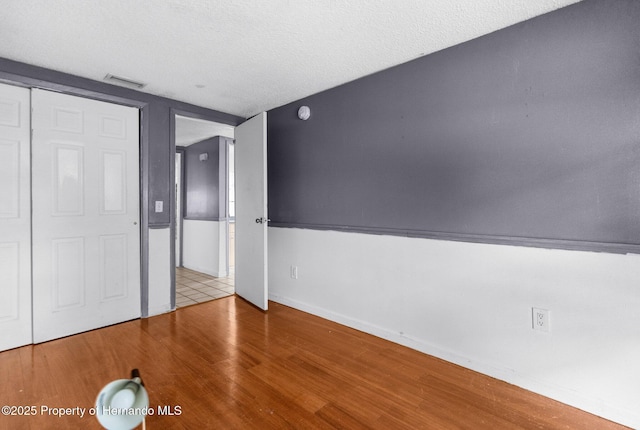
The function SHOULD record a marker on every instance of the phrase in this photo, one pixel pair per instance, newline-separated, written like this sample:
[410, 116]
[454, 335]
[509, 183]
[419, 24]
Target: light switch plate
[159, 206]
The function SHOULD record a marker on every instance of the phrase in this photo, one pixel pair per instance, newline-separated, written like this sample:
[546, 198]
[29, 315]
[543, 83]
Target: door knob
[262, 220]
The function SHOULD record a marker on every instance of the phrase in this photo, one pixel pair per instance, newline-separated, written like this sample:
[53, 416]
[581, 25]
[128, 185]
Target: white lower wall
[159, 271]
[204, 247]
[471, 304]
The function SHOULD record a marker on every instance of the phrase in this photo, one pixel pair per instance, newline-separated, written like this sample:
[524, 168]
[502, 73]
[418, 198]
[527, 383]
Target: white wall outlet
[541, 319]
[159, 206]
[294, 272]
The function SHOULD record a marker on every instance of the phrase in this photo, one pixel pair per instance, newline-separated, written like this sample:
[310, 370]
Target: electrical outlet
[541, 319]
[293, 271]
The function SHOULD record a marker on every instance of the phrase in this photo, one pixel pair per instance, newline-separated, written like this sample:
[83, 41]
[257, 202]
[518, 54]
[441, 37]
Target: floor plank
[228, 365]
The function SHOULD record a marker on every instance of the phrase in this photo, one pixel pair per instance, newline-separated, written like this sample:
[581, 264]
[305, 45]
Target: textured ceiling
[192, 130]
[242, 57]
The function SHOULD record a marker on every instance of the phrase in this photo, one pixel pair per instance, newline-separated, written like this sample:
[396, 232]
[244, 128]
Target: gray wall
[529, 135]
[206, 181]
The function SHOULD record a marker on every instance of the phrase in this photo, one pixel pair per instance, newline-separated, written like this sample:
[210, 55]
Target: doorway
[205, 211]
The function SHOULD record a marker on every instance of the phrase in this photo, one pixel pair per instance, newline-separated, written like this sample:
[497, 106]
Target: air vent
[119, 80]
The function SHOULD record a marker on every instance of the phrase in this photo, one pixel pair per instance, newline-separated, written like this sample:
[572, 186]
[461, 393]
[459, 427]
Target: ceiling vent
[119, 80]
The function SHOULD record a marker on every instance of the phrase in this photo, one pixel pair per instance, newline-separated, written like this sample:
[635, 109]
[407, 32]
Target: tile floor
[194, 287]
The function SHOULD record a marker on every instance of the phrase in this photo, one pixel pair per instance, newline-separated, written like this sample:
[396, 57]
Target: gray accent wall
[206, 180]
[161, 159]
[529, 136]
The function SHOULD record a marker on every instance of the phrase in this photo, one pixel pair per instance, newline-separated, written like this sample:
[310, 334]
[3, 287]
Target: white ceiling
[242, 57]
[192, 130]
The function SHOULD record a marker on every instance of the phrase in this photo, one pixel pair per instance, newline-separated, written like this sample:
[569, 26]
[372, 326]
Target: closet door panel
[86, 229]
[15, 217]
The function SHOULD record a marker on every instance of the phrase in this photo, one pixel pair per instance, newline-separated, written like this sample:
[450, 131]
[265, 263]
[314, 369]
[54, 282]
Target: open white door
[86, 233]
[251, 210]
[15, 218]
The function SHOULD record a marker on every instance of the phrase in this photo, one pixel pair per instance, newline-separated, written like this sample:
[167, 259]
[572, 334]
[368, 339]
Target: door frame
[230, 145]
[173, 112]
[179, 211]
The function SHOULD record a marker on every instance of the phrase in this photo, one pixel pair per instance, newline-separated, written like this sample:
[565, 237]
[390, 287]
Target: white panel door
[86, 235]
[15, 218]
[251, 211]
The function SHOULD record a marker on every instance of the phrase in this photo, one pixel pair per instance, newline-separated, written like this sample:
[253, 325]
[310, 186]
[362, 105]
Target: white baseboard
[571, 398]
[206, 271]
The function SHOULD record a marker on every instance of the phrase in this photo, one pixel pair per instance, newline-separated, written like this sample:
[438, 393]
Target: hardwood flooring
[227, 365]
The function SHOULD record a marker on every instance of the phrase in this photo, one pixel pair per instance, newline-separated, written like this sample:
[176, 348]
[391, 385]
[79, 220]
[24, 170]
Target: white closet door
[86, 236]
[15, 218]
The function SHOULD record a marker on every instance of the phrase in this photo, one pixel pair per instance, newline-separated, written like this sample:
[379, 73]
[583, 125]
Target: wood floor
[227, 365]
